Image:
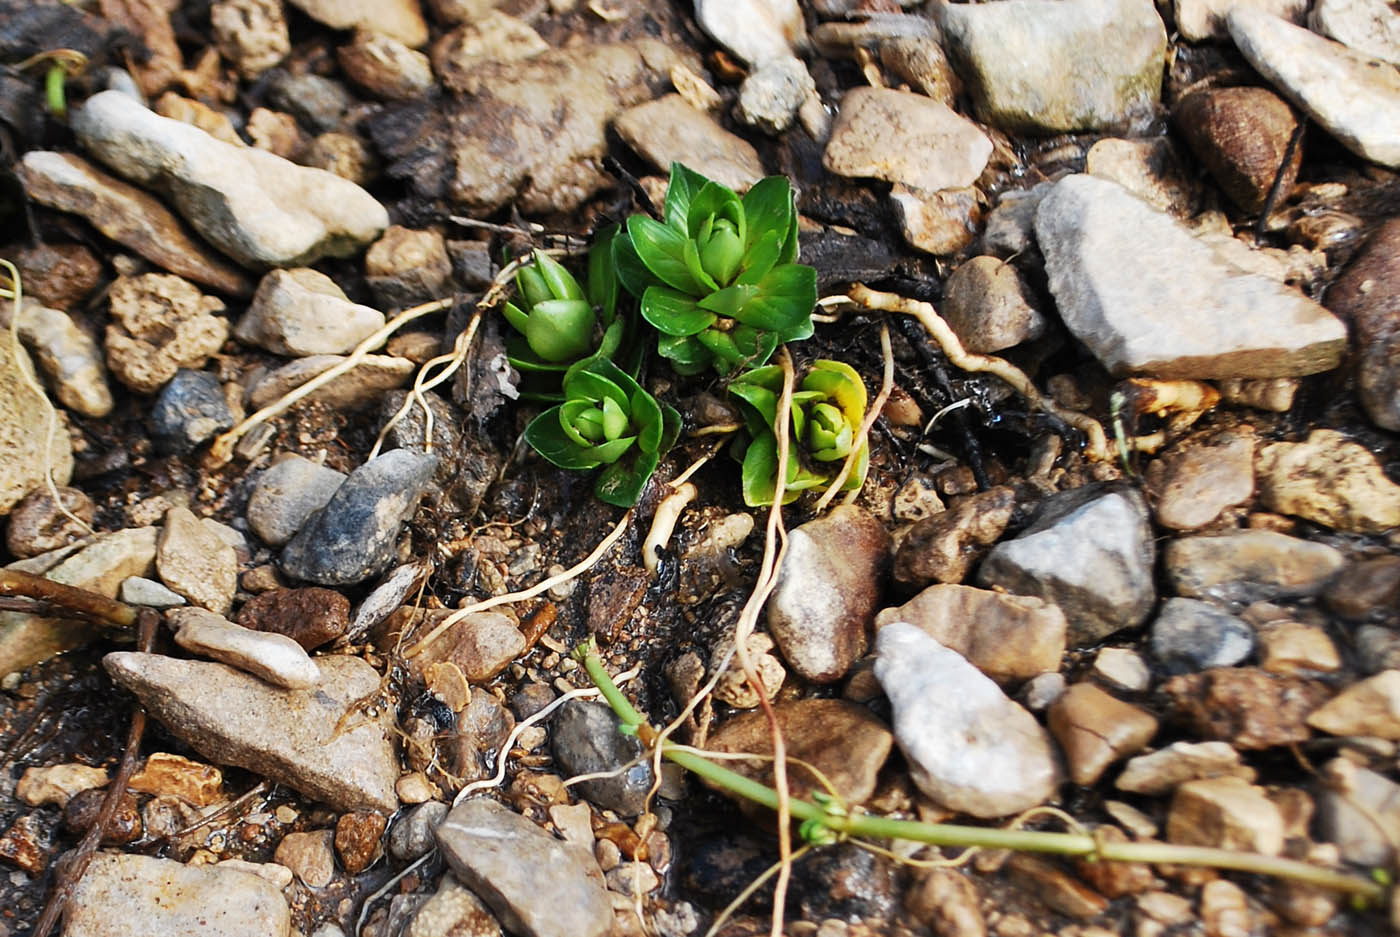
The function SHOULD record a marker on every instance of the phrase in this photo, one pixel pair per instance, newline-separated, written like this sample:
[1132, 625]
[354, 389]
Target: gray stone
[33, 440]
[1249, 565]
[138, 590]
[411, 835]
[1049, 66]
[1190, 635]
[1352, 96]
[1189, 313]
[173, 900]
[258, 208]
[355, 534]
[289, 492]
[1359, 810]
[969, 748]
[771, 95]
[408, 266]
[1122, 668]
[302, 312]
[453, 911]
[670, 130]
[585, 740]
[512, 865]
[902, 137]
[194, 562]
[275, 658]
[304, 739]
[755, 31]
[985, 303]
[188, 411]
[821, 611]
[1199, 20]
[1090, 552]
[1371, 27]
[361, 385]
[66, 353]
[1367, 296]
[1011, 225]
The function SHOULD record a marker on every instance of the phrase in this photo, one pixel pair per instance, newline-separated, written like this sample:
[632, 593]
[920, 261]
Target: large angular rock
[1147, 297]
[1049, 66]
[317, 741]
[1352, 96]
[1329, 480]
[1090, 552]
[260, 209]
[1371, 27]
[538, 886]
[398, 19]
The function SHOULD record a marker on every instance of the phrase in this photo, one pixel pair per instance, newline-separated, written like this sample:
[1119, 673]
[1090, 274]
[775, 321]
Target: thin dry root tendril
[1097, 448]
[872, 413]
[422, 382]
[545, 585]
[753, 886]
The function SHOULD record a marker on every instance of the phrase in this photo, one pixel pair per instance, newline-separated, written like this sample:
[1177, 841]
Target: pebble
[252, 34]
[754, 31]
[1010, 227]
[24, 426]
[309, 856]
[411, 836]
[481, 645]
[1095, 729]
[292, 737]
[66, 354]
[57, 784]
[902, 137]
[1201, 20]
[189, 411]
[1245, 706]
[286, 494]
[586, 740]
[1160, 772]
[574, 822]
[1249, 565]
[398, 19]
[986, 304]
[133, 218]
[920, 61]
[194, 562]
[1363, 587]
[303, 312]
[81, 812]
[969, 748]
[138, 590]
[1122, 668]
[1007, 637]
[344, 155]
[1054, 887]
[385, 67]
[670, 130]
[407, 266]
[1368, 707]
[942, 222]
[1041, 691]
[1359, 810]
[352, 390]
[453, 911]
[258, 208]
[36, 525]
[1240, 135]
[1089, 551]
[357, 839]
[275, 658]
[1371, 27]
[943, 547]
[1274, 394]
[1193, 484]
[1291, 647]
[822, 609]
[511, 862]
[1194, 314]
[1190, 635]
[311, 617]
[1225, 813]
[170, 898]
[840, 739]
[387, 597]
[1328, 480]
[355, 535]
[946, 902]
[773, 93]
[734, 687]
[535, 130]
[1115, 879]
[1367, 297]
[1023, 63]
[56, 274]
[1351, 95]
[159, 324]
[1165, 908]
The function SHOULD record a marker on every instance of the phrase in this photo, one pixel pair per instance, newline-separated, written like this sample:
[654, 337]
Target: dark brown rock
[357, 839]
[311, 617]
[942, 548]
[80, 813]
[58, 275]
[1364, 587]
[1367, 297]
[37, 525]
[1240, 134]
[1096, 729]
[1245, 706]
[25, 844]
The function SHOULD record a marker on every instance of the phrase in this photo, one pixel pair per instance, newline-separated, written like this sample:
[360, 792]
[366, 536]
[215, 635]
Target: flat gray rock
[1190, 635]
[1356, 98]
[899, 136]
[1049, 66]
[585, 739]
[259, 209]
[969, 747]
[289, 492]
[670, 130]
[1249, 566]
[303, 312]
[1148, 297]
[538, 886]
[292, 737]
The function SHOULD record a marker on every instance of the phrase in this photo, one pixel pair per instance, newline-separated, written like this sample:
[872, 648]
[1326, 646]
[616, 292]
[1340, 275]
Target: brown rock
[1364, 587]
[160, 323]
[1370, 707]
[407, 266]
[357, 839]
[38, 526]
[25, 845]
[401, 19]
[311, 616]
[1328, 480]
[947, 903]
[57, 784]
[1161, 771]
[942, 548]
[1115, 879]
[309, 857]
[277, 132]
[349, 391]
[1096, 729]
[491, 37]
[842, 740]
[1055, 888]
[1225, 909]
[670, 130]
[196, 114]
[1245, 706]
[57, 275]
[1007, 637]
[250, 33]
[80, 813]
[481, 645]
[128, 216]
[1241, 134]
[1225, 813]
[985, 303]
[1294, 647]
[194, 562]
[1191, 486]
[385, 66]
[942, 222]
[1367, 296]
[174, 775]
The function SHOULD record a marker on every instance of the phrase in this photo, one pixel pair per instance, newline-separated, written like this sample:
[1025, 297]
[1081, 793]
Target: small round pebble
[37, 525]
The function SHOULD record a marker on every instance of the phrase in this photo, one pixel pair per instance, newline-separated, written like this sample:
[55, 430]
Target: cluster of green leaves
[719, 283]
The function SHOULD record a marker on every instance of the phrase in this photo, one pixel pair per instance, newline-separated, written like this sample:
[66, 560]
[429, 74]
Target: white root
[663, 524]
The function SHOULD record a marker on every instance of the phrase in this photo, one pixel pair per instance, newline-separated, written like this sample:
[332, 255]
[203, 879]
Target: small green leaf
[531, 285]
[602, 274]
[632, 274]
[761, 258]
[662, 250]
[621, 483]
[560, 329]
[728, 301]
[560, 282]
[768, 209]
[545, 434]
[680, 190]
[784, 302]
[686, 354]
[674, 313]
[711, 206]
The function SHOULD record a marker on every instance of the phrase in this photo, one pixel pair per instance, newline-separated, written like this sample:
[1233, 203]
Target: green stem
[949, 834]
